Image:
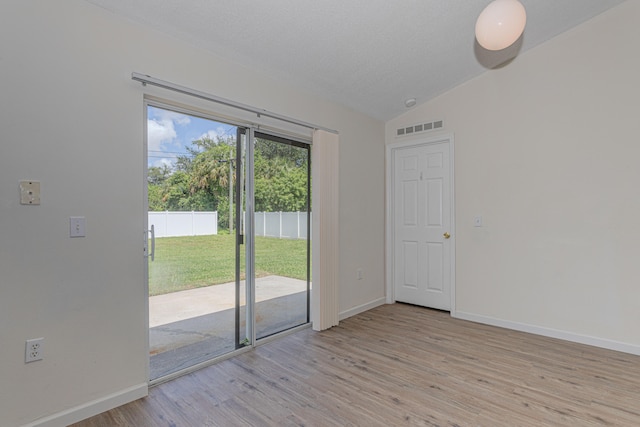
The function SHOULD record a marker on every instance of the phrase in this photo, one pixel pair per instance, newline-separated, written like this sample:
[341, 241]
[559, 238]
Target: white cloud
[161, 128]
[163, 161]
[220, 131]
[210, 134]
[177, 118]
[159, 132]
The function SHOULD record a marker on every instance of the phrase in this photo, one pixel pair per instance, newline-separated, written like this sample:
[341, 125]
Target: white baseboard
[362, 308]
[95, 407]
[549, 332]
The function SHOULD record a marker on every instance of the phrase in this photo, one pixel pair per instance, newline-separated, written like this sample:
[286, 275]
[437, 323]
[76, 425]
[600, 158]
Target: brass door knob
[446, 235]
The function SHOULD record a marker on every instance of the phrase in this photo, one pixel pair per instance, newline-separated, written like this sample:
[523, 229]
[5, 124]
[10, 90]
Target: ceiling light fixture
[500, 24]
[410, 102]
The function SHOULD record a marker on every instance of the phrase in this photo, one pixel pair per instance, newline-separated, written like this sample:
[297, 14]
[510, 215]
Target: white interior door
[422, 225]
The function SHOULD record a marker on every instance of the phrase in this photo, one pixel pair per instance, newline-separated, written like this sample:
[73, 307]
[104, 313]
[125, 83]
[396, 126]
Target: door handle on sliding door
[152, 252]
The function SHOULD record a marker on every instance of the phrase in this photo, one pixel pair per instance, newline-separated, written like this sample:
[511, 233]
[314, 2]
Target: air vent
[422, 127]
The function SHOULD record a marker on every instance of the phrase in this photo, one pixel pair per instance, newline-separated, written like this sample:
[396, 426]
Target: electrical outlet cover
[33, 350]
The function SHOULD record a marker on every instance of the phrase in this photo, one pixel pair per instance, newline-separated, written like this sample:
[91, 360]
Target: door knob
[446, 235]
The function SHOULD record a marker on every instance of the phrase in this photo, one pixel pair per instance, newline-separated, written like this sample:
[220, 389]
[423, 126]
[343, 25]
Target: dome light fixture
[500, 24]
[410, 102]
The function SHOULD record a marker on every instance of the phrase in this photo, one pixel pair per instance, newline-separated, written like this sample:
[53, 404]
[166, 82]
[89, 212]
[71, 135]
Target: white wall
[547, 151]
[71, 117]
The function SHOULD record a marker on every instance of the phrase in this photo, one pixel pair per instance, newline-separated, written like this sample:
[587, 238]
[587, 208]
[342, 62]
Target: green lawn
[195, 261]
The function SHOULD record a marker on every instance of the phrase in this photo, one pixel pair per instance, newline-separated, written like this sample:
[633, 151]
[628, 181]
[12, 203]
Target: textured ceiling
[369, 55]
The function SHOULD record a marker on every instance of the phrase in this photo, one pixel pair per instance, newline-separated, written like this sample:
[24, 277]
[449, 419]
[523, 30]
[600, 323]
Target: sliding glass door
[197, 294]
[220, 276]
[282, 227]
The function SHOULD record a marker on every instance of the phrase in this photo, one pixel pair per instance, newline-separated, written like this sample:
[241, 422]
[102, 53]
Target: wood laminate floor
[400, 365]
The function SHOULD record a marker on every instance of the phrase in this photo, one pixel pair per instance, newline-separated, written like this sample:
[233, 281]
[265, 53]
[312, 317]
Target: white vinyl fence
[173, 224]
[283, 225]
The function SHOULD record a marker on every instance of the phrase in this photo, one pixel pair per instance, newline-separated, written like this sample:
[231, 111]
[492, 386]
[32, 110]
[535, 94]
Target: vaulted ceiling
[369, 55]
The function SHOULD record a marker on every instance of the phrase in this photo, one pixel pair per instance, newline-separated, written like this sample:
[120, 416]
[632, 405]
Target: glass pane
[282, 218]
[193, 304]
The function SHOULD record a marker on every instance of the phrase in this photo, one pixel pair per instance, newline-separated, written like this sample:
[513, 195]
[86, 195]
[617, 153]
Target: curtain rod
[145, 79]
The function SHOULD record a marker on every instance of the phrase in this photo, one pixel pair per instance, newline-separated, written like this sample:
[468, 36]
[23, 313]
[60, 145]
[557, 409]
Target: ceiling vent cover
[419, 128]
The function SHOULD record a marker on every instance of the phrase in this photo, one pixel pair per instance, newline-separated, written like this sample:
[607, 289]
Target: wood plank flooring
[400, 365]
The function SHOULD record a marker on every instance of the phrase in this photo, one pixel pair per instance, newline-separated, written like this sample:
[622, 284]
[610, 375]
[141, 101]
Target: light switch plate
[77, 226]
[477, 221]
[29, 192]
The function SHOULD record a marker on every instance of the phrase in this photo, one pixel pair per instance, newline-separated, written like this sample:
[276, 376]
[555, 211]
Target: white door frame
[390, 220]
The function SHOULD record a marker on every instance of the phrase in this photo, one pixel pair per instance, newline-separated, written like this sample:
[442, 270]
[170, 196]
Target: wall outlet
[359, 274]
[33, 350]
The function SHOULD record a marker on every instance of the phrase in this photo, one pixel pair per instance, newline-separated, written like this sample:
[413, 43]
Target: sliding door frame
[151, 101]
[250, 240]
[307, 146]
[245, 228]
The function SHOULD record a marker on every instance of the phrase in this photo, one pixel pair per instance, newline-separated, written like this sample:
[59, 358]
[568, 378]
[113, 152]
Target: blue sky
[169, 133]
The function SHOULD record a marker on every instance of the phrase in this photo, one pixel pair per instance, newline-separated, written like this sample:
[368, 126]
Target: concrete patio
[192, 326]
